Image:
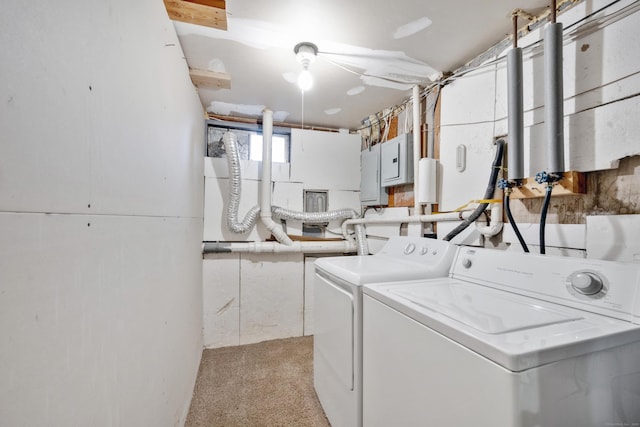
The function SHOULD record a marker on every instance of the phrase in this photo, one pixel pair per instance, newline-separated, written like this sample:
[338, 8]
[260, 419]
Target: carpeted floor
[264, 384]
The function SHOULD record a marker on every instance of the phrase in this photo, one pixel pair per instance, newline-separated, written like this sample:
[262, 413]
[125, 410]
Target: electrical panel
[396, 158]
[372, 193]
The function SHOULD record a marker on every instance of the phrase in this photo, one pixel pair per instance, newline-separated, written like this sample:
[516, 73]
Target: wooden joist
[571, 183]
[210, 79]
[208, 13]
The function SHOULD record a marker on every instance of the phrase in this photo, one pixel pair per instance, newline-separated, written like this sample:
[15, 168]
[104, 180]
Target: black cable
[491, 188]
[507, 209]
[543, 217]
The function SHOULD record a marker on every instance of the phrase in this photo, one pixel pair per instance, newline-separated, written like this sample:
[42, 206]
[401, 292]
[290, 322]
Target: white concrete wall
[601, 79]
[100, 216]
[256, 297]
[250, 298]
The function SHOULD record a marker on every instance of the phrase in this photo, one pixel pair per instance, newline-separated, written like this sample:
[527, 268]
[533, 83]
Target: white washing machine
[509, 339]
[337, 348]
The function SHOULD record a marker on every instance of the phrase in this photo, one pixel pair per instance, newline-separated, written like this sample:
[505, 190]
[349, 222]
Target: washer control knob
[466, 263]
[586, 283]
[424, 250]
[409, 248]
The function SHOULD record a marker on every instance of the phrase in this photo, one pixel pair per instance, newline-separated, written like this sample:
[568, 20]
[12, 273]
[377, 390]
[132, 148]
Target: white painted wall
[601, 77]
[100, 216]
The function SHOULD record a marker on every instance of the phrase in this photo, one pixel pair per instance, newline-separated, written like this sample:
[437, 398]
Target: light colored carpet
[264, 384]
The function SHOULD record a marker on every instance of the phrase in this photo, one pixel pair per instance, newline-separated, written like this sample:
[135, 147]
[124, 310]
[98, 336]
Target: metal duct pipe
[230, 141]
[265, 189]
[554, 97]
[516, 115]
[319, 217]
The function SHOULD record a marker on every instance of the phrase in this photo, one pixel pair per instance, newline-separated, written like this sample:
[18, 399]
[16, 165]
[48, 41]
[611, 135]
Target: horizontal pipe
[341, 246]
[449, 216]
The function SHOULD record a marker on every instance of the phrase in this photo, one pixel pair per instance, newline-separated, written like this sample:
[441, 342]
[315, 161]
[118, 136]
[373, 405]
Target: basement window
[279, 151]
[249, 142]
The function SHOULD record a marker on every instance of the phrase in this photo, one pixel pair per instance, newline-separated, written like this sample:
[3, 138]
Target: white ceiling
[405, 40]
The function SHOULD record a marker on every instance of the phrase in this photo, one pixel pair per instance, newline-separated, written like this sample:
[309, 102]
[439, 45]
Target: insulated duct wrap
[230, 141]
[515, 148]
[319, 217]
[554, 97]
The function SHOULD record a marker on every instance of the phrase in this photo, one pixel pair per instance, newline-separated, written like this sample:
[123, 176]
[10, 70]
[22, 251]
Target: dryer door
[334, 329]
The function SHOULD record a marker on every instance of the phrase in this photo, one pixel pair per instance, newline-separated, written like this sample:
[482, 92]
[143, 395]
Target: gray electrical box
[396, 158]
[371, 191]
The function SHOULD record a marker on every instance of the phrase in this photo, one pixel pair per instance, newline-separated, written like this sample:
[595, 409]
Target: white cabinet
[371, 191]
[397, 161]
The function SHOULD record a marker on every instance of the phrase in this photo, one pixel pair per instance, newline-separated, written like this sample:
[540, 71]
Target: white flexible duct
[320, 217]
[230, 141]
[265, 193]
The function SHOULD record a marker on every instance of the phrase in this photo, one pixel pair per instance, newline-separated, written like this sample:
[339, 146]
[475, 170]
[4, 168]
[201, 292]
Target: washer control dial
[466, 263]
[586, 283]
[409, 248]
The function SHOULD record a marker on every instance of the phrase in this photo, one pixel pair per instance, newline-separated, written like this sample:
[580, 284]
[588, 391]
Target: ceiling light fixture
[306, 54]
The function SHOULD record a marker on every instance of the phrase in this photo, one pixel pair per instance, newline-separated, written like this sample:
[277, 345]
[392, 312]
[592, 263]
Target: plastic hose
[543, 217]
[491, 188]
[507, 209]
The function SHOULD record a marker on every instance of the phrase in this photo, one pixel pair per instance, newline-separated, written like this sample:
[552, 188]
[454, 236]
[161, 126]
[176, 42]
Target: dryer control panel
[604, 287]
[419, 249]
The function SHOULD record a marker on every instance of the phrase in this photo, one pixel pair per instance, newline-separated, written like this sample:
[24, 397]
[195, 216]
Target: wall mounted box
[371, 191]
[396, 158]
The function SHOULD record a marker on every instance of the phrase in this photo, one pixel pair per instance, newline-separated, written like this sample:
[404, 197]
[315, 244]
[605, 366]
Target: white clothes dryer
[508, 340]
[337, 348]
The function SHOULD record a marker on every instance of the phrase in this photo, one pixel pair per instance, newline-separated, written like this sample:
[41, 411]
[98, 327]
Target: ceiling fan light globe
[305, 81]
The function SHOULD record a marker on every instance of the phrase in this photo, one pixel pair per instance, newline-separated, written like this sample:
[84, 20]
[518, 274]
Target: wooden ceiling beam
[210, 79]
[208, 13]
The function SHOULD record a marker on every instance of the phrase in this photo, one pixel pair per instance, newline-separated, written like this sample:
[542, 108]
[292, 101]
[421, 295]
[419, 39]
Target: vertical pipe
[554, 97]
[516, 115]
[267, 138]
[417, 150]
[265, 189]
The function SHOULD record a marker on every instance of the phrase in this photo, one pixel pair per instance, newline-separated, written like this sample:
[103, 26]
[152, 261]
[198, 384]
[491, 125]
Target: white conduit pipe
[342, 246]
[495, 225]
[449, 216]
[265, 189]
[489, 230]
[417, 150]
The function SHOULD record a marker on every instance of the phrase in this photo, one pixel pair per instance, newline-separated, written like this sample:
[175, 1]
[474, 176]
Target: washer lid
[482, 309]
[358, 270]
[514, 331]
